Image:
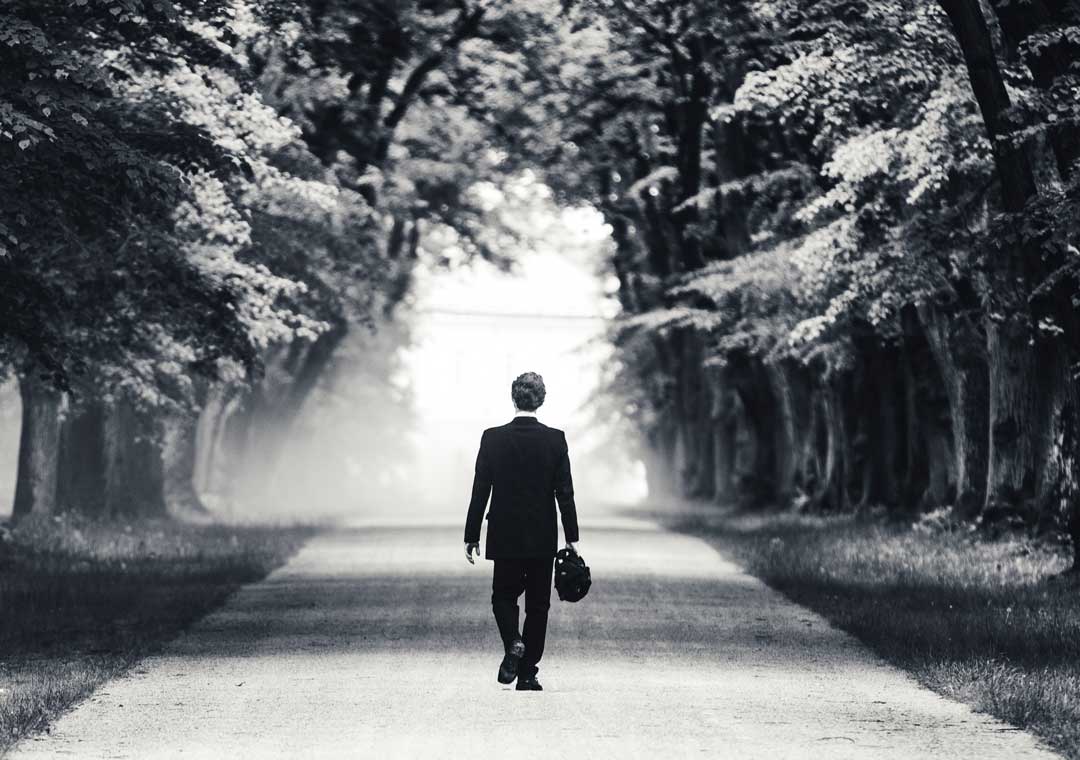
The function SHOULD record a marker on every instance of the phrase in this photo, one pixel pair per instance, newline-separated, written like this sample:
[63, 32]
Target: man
[525, 467]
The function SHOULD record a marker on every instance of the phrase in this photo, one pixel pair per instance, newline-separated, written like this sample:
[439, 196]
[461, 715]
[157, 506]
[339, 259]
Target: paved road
[377, 642]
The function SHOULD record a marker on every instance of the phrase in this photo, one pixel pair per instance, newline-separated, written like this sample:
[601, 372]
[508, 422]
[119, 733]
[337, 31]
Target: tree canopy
[844, 232]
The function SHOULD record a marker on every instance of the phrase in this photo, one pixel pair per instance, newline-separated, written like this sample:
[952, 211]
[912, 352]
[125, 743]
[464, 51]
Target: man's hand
[572, 547]
[469, 549]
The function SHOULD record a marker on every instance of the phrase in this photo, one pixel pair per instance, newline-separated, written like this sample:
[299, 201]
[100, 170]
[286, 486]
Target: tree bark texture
[877, 451]
[930, 474]
[833, 489]
[789, 429]
[39, 446]
[81, 468]
[724, 448]
[134, 472]
[763, 419]
[959, 349]
[1015, 422]
[1012, 357]
[178, 460]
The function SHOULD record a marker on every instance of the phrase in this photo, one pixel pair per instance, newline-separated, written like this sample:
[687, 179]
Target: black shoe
[508, 667]
[529, 683]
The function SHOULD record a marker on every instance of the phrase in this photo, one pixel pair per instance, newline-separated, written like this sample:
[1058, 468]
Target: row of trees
[845, 236]
[200, 200]
[844, 231]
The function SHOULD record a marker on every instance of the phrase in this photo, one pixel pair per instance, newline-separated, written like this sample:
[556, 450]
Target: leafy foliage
[784, 170]
[101, 143]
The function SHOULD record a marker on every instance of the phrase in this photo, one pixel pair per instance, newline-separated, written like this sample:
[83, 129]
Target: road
[377, 641]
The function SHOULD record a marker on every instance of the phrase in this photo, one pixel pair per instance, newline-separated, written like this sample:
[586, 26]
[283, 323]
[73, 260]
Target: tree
[135, 284]
[399, 105]
[821, 231]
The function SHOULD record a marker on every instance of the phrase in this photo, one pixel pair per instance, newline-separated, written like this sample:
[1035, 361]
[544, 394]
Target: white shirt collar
[522, 413]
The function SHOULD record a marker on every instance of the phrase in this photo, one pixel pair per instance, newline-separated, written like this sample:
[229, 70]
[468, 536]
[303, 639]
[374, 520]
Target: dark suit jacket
[525, 466]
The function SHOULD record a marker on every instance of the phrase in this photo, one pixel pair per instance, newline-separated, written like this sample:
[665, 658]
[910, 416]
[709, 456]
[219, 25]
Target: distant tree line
[199, 201]
[845, 234]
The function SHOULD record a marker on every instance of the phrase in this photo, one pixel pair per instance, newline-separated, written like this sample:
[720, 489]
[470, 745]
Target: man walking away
[524, 466]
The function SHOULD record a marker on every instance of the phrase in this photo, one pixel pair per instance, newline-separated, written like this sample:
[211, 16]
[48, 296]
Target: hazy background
[406, 449]
[394, 426]
[478, 328]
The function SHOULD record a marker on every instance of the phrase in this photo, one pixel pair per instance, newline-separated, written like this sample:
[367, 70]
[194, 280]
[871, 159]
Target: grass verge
[81, 602]
[987, 622]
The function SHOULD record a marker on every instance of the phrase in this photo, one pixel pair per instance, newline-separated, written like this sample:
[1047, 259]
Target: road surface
[377, 642]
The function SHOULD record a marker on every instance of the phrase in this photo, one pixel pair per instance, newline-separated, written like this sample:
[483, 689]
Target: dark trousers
[511, 578]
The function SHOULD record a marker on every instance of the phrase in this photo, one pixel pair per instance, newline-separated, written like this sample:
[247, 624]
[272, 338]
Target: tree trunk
[877, 451]
[693, 413]
[802, 406]
[134, 475]
[660, 463]
[1015, 422]
[763, 422]
[929, 469]
[39, 448]
[208, 435]
[918, 417]
[959, 350]
[1058, 487]
[178, 457]
[973, 34]
[1013, 361]
[81, 476]
[222, 433]
[723, 448]
[110, 464]
[833, 489]
[770, 469]
[814, 448]
[787, 432]
[704, 486]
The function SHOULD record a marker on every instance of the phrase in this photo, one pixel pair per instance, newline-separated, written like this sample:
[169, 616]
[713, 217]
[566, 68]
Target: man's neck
[523, 413]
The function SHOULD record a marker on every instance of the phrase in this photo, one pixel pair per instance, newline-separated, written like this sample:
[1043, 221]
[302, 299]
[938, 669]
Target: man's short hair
[528, 391]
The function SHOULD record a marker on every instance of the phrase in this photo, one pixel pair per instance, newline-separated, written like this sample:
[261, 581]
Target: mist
[392, 432]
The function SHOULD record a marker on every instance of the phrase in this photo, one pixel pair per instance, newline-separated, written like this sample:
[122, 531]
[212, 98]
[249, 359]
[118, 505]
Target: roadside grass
[988, 622]
[82, 602]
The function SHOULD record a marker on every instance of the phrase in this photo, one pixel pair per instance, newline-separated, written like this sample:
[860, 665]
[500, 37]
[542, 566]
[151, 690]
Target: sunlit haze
[478, 328]
[365, 450]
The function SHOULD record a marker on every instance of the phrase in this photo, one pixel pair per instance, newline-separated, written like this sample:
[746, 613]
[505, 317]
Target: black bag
[572, 576]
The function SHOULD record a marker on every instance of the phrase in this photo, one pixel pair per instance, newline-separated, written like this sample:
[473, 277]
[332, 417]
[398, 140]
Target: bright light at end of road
[477, 328]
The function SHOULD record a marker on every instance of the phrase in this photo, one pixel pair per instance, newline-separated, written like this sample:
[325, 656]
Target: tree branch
[468, 23]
